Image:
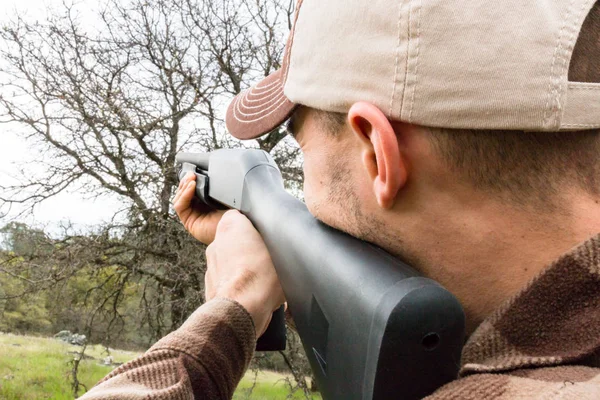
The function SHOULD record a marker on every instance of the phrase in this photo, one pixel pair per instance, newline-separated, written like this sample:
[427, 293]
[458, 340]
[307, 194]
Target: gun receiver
[371, 326]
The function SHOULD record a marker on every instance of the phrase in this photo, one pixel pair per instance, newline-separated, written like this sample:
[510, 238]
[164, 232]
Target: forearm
[205, 358]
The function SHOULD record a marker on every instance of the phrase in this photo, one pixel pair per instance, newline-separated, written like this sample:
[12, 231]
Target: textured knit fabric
[204, 359]
[542, 344]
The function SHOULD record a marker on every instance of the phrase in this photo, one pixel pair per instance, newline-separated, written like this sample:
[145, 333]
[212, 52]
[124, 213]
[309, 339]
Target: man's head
[455, 199]
[526, 169]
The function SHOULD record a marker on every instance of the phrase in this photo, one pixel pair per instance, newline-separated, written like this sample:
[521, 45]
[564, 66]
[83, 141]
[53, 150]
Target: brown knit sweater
[542, 344]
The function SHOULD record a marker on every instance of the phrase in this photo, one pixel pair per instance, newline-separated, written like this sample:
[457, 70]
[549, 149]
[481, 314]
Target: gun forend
[200, 160]
[219, 186]
[226, 169]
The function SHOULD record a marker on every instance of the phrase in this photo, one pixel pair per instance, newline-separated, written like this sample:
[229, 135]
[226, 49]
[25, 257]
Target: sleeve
[548, 383]
[204, 359]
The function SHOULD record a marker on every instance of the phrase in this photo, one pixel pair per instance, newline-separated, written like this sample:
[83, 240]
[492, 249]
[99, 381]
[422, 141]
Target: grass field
[38, 368]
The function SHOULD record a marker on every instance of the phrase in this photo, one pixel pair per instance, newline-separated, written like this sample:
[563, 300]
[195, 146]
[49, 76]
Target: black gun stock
[371, 326]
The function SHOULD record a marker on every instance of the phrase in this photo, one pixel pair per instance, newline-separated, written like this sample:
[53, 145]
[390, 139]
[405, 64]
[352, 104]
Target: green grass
[38, 368]
[269, 385]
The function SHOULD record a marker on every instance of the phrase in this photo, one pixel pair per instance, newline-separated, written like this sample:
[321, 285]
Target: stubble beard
[348, 214]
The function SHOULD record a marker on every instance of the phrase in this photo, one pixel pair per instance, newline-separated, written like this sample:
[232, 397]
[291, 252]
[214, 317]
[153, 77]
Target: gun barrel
[199, 159]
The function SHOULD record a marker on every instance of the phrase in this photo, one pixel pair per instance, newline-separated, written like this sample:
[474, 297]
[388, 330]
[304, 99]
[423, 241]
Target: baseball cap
[470, 64]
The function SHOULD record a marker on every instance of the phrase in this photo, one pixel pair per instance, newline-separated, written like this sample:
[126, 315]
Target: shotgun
[371, 326]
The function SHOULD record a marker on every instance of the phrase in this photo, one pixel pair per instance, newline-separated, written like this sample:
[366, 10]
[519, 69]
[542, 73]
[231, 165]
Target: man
[462, 137]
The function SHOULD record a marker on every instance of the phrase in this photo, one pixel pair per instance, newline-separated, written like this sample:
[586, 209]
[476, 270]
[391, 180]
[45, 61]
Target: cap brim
[260, 109]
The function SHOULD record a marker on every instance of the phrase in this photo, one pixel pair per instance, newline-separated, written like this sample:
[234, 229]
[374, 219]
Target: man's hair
[525, 166]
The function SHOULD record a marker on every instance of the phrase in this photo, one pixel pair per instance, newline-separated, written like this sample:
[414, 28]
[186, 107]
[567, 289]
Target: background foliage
[108, 106]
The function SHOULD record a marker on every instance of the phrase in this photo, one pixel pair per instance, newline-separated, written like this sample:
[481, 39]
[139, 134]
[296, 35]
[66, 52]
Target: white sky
[71, 207]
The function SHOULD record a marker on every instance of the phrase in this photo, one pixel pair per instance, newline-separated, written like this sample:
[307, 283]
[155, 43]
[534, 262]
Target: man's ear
[381, 154]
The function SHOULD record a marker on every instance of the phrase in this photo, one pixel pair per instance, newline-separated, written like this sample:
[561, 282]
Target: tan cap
[441, 63]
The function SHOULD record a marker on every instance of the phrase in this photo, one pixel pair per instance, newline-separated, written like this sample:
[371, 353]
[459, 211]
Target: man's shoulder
[564, 382]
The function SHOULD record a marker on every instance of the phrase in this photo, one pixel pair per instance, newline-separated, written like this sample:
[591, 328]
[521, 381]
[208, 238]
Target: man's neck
[485, 252]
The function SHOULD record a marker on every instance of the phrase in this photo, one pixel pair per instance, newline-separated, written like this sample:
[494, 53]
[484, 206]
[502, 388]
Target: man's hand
[240, 268]
[198, 219]
[239, 265]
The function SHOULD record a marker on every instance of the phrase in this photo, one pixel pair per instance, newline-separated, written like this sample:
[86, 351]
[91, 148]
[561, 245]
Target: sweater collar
[554, 320]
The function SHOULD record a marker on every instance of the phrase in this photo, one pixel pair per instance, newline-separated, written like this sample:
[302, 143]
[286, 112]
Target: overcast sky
[64, 207]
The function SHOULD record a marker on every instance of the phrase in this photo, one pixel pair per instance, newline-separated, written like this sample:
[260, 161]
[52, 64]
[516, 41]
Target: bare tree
[109, 104]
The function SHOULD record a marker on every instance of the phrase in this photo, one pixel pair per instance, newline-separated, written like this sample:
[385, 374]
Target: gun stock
[371, 326]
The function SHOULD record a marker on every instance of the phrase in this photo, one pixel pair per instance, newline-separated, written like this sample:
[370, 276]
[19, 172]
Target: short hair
[524, 166]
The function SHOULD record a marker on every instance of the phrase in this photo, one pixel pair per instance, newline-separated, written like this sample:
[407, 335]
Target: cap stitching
[264, 102]
[554, 78]
[395, 82]
[582, 125]
[236, 110]
[291, 44]
[414, 88]
[408, 42]
[274, 106]
[584, 88]
[247, 121]
[261, 94]
[266, 87]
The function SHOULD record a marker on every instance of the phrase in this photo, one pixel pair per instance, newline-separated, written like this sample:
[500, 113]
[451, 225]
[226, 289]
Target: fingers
[185, 181]
[208, 230]
[199, 219]
[178, 193]
[233, 220]
[240, 268]
[228, 221]
[185, 194]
